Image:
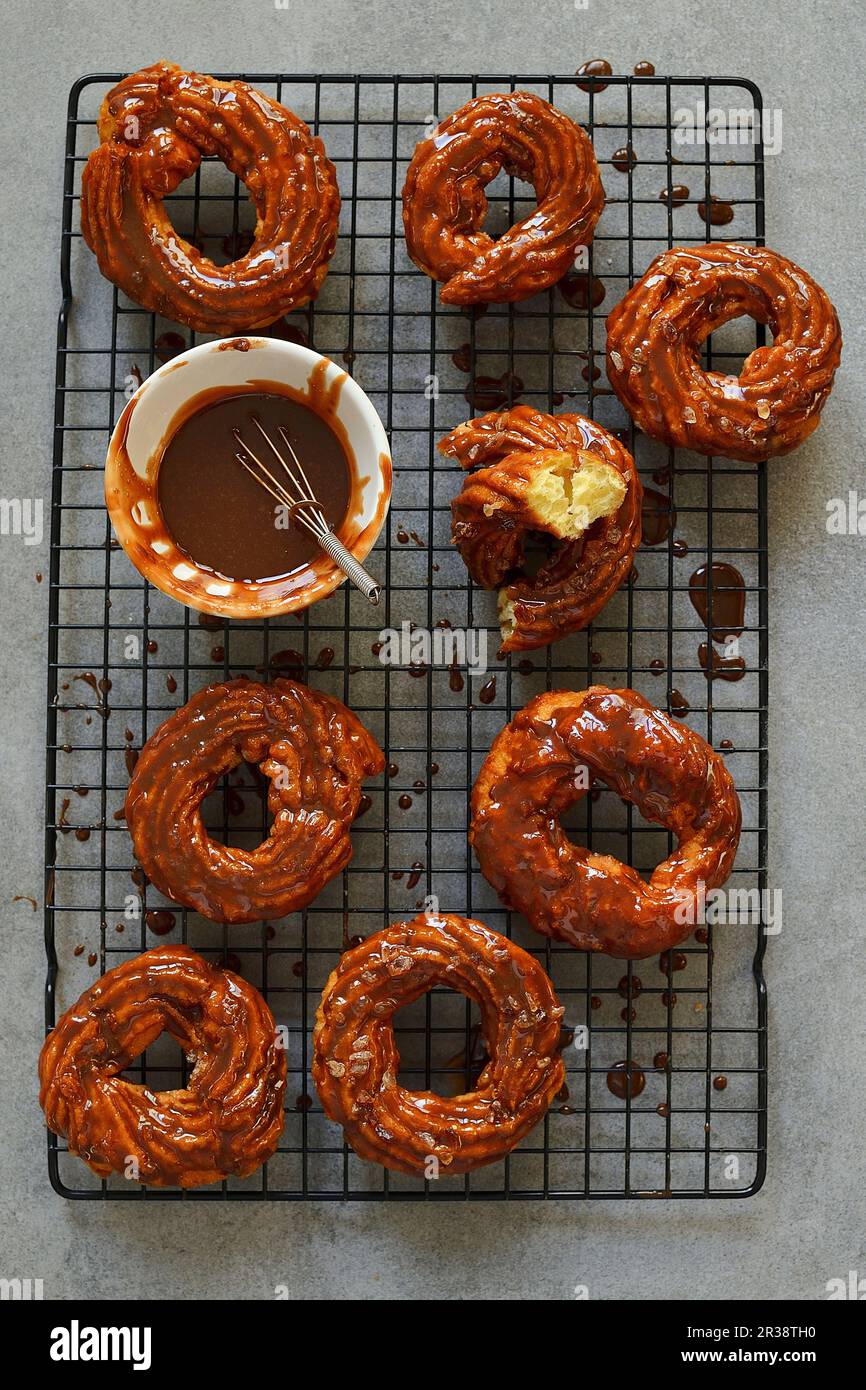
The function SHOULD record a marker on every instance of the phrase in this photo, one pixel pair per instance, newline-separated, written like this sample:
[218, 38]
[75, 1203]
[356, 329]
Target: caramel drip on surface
[721, 586]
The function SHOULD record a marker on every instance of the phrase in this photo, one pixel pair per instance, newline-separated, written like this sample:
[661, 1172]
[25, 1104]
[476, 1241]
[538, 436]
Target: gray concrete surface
[808, 1223]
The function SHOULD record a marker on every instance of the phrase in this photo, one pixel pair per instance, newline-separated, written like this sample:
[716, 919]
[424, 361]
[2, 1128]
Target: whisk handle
[369, 587]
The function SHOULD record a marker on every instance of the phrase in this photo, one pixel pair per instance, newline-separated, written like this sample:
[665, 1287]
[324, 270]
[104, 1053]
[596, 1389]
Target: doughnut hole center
[725, 351]
[504, 207]
[457, 1053]
[539, 547]
[161, 1066]
[213, 225]
[236, 812]
[604, 823]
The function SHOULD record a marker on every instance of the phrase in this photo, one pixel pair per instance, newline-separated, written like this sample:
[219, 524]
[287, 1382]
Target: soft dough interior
[567, 499]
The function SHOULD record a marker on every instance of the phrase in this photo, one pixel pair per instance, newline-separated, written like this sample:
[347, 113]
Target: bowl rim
[243, 599]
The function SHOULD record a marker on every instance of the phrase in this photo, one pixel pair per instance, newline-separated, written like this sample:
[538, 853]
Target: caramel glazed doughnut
[656, 331]
[355, 1058]
[444, 203]
[563, 475]
[155, 126]
[662, 767]
[226, 1121]
[314, 750]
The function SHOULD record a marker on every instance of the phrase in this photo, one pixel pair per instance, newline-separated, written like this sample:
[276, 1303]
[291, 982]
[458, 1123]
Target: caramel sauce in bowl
[197, 380]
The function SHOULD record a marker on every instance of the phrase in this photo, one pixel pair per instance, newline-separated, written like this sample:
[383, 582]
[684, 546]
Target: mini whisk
[302, 505]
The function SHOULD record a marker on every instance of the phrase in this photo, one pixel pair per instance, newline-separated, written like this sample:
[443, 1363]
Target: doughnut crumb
[567, 498]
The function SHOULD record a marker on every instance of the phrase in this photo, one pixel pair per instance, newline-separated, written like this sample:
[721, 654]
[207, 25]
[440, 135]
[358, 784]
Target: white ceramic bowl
[150, 418]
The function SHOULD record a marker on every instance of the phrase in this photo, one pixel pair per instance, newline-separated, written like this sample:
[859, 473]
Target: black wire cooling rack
[122, 656]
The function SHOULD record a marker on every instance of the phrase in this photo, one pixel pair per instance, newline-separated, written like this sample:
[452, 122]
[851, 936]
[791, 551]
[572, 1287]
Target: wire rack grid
[122, 656]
